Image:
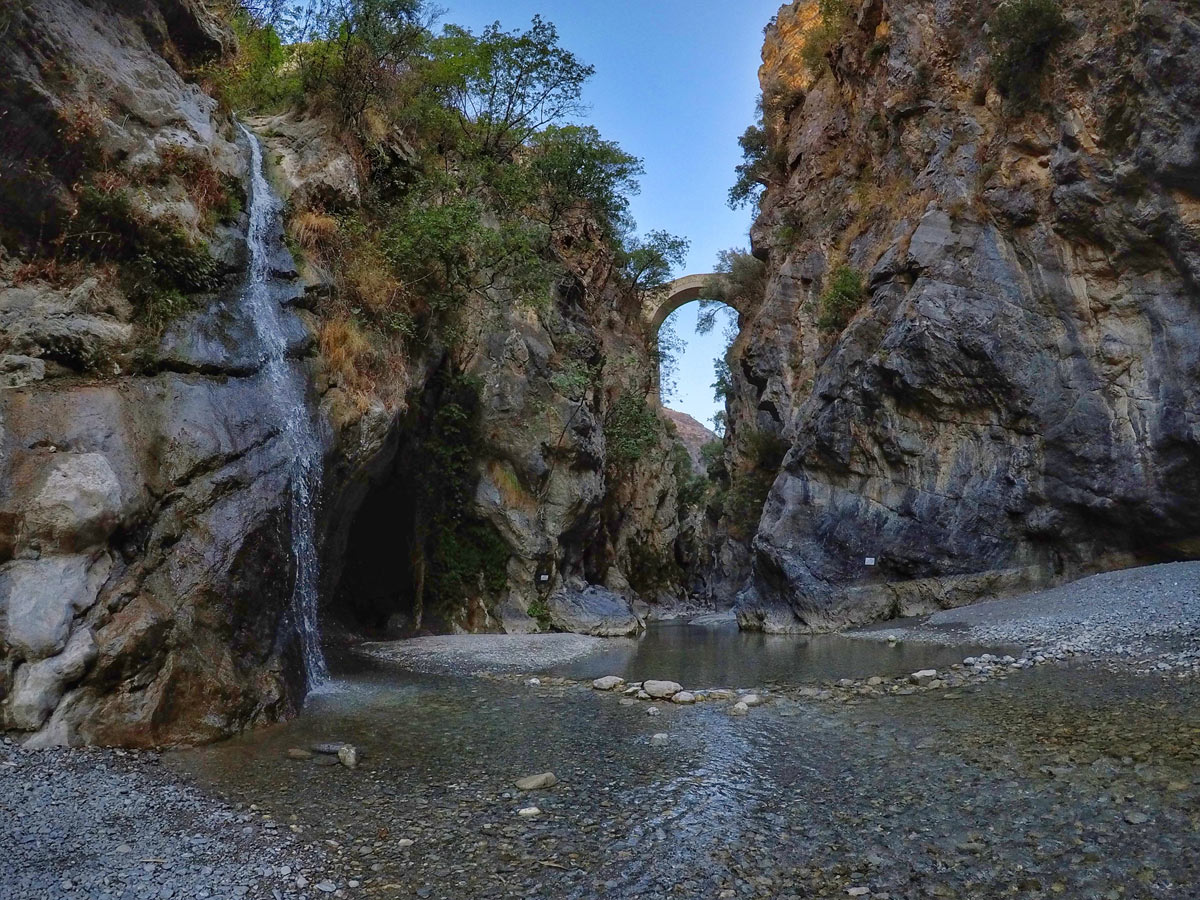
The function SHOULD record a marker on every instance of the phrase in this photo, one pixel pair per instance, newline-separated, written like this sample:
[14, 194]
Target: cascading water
[287, 387]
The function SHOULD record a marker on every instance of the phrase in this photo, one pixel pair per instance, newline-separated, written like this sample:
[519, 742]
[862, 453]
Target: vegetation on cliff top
[481, 188]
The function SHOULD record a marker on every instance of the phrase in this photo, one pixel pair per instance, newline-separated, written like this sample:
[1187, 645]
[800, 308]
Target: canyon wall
[146, 562]
[981, 329]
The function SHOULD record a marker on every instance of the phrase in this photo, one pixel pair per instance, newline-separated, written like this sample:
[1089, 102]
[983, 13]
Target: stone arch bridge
[665, 300]
[660, 303]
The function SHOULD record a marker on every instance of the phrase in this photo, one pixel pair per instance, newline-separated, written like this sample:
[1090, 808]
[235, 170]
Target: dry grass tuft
[314, 230]
[366, 366]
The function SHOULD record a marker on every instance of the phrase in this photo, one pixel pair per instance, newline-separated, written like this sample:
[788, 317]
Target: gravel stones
[116, 824]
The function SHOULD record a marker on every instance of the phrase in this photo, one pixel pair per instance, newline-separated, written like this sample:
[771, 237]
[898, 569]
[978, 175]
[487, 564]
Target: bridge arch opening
[690, 333]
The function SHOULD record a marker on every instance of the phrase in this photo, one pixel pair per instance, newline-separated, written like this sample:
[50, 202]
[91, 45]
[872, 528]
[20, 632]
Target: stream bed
[1063, 781]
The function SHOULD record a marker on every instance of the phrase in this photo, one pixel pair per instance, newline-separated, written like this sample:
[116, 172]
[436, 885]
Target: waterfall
[287, 390]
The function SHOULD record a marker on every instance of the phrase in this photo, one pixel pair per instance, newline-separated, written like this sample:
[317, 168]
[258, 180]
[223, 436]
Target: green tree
[581, 173]
[356, 50]
[506, 86]
[649, 261]
[753, 171]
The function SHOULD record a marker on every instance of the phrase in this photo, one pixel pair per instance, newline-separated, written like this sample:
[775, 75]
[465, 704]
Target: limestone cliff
[147, 506]
[980, 329]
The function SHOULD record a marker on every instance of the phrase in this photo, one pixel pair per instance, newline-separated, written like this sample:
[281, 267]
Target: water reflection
[722, 655]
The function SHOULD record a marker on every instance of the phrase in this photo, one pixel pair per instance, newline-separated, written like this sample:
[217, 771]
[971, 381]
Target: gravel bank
[1144, 615]
[458, 653]
[94, 824]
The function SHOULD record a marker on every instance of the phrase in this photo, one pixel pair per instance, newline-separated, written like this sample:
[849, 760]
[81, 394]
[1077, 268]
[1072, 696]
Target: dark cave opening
[408, 553]
[375, 592]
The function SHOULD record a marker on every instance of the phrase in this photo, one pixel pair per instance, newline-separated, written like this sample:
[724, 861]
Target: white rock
[739, 709]
[751, 700]
[923, 677]
[642, 695]
[532, 682]
[661, 690]
[76, 506]
[653, 711]
[608, 683]
[405, 842]
[348, 756]
[529, 811]
[40, 597]
[536, 782]
[684, 697]
[659, 739]
[37, 687]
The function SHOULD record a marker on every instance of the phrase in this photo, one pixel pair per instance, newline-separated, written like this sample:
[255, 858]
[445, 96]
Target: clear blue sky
[676, 83]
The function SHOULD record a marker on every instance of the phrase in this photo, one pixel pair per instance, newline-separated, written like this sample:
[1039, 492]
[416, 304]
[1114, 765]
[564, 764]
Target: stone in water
[660, 690]
[607, 683]
[536, 782]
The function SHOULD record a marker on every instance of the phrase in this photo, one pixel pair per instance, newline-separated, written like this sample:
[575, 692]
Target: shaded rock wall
[145, 564]
[145, 573]
[1015, 401]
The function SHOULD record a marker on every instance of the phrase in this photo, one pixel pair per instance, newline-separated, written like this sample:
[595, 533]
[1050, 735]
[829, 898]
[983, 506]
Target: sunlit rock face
[1014, 401]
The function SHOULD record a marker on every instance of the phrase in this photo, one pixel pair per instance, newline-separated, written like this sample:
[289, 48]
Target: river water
[1056, 782]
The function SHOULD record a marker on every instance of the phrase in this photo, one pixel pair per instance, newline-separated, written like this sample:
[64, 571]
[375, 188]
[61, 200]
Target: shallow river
[1057, 782]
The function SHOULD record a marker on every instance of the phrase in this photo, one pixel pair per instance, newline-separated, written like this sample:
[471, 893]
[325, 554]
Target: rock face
[146, 479]
[143, 583]
[692, 435]
[1012, 401]
[593, 610]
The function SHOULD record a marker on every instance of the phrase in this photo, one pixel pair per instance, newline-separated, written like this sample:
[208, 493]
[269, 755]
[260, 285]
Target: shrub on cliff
[1023, 33]
[833, 21]
[841, 299]
[631, 429]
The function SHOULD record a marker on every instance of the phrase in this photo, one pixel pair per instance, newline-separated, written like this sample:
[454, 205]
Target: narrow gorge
[349, 543]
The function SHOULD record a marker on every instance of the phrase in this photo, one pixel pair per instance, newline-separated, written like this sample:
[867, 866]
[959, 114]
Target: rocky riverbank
[1143, 618]
[1052, 783]
[83, 824]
